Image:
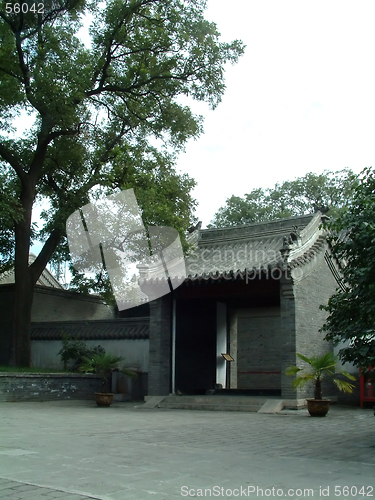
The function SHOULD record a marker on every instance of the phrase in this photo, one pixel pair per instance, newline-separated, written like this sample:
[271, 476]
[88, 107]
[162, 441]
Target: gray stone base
[292, 404]
[272, 406]
[47, 387]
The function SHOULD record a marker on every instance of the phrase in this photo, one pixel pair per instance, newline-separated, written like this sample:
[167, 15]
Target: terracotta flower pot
[318, 407]
[103, 398]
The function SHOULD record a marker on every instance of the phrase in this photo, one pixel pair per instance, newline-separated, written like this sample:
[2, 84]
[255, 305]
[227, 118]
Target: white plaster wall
[349, 367]
[44, 353]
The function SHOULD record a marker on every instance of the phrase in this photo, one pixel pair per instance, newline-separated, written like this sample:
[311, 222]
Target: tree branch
[59, 133]
[108, 54]
[117, 88]
[10, 73]
[13, 161]
[24, 70]
[51, 16]
[41, 150]
[39, 264]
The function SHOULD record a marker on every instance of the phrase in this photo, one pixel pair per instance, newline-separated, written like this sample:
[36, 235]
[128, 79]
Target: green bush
[73, 351]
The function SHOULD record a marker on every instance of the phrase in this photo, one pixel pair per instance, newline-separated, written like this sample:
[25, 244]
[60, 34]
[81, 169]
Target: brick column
[159, 373]
[288, 332]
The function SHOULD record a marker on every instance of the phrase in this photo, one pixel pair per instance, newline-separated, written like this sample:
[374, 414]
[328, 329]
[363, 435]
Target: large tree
[329, 192]
[98, 111]
[351, 309]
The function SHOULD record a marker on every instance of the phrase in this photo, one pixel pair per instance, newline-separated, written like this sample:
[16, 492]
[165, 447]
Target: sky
[301, 99]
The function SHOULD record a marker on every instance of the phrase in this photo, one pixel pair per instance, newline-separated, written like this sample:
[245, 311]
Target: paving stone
[76, 451]
[14, 490]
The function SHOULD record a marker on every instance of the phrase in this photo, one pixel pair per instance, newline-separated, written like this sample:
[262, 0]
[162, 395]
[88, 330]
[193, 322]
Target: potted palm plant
[318, 368]
[103, 364]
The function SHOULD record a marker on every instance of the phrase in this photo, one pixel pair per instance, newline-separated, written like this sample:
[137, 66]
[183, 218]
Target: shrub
[74, 351]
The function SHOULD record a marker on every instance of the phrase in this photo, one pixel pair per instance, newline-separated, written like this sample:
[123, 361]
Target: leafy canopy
[351, 309]
[329, 191]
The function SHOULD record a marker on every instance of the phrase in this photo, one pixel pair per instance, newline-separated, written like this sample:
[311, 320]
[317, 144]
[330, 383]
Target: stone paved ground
[14, 490]
[74, 451]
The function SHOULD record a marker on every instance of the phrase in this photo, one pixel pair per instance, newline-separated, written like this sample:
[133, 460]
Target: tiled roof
[231, 252]
[127, 328]
[284, 244]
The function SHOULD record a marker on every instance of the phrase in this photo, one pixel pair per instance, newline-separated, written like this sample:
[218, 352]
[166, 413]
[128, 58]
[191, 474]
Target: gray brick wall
[313, 290]
[259, 346]
[159, 373]
[47, 387]
[288, 335]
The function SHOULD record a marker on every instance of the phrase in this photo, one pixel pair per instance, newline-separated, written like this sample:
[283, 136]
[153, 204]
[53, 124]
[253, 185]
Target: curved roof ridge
[254, 230]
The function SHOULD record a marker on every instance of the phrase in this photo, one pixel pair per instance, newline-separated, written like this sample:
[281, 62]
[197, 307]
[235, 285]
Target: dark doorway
[195, 345]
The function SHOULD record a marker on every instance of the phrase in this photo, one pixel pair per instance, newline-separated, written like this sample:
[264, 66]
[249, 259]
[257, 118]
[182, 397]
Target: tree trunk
[26, 276]
[24, 285]
[23, 301]
[318, 389]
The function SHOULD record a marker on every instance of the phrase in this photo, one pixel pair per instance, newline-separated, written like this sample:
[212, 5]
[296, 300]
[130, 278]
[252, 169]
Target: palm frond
[319, 367]
[346, 374]
[302, 380]
[292, 370]
[304, 358]
[343, 385]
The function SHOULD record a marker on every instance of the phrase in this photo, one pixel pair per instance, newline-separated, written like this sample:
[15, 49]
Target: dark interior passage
[195, 345]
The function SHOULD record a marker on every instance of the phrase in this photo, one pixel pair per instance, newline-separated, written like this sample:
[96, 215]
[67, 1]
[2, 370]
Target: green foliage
[103, 364]
[74, 351]
[327, 191]
[319, 367]
[10, 211]
[351, 309]
[106, 117]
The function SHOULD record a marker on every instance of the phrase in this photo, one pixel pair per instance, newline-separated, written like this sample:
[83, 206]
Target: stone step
[210, 407]
[213, 402]
[219, 399]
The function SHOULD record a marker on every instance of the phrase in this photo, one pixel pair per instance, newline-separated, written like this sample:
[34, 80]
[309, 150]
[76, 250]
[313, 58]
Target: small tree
[319, 367]
[75, 350]
[103, 364]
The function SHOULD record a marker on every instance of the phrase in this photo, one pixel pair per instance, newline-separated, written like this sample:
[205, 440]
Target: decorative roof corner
[310, 241]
